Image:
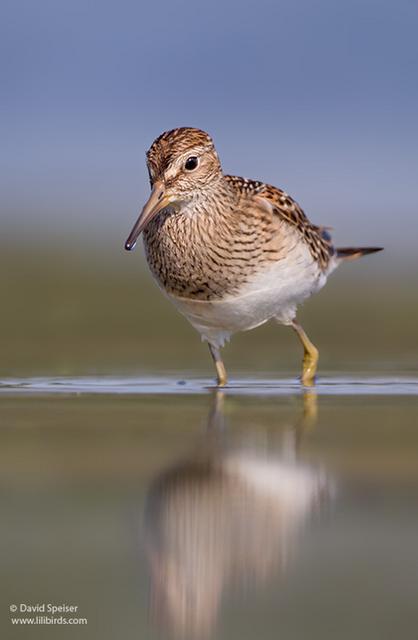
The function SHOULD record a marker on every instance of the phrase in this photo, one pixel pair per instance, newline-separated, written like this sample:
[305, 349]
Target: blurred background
[318, 98]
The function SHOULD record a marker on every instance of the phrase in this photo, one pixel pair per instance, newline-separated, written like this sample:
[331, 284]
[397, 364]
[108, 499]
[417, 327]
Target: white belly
[274, 293]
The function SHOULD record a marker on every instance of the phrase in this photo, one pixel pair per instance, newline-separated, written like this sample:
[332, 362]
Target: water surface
[163, 509]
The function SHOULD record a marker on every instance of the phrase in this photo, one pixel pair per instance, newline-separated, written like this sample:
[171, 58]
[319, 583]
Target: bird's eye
[191, 163]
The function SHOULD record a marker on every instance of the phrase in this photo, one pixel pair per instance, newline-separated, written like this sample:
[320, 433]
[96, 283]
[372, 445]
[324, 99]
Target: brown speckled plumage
[231, 253]
[289, 211]
[231, 233]
[213, 253]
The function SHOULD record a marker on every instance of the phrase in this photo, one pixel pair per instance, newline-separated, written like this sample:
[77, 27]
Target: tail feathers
[350, 253]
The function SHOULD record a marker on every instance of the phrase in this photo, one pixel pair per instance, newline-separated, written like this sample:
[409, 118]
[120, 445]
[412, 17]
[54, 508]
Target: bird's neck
[216, 199]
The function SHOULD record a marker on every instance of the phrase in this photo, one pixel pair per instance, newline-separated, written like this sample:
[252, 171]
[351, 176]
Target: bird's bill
[156, 203]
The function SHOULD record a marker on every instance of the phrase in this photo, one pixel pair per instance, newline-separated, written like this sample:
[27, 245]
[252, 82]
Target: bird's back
[284, 209]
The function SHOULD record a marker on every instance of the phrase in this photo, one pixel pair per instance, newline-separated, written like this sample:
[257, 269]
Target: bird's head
[182, 164]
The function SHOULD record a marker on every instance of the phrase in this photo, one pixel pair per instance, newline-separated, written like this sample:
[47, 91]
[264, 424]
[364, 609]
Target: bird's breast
[201, 257]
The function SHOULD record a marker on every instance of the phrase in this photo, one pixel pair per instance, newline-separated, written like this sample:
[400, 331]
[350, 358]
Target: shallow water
[379, 385]
[161, 508]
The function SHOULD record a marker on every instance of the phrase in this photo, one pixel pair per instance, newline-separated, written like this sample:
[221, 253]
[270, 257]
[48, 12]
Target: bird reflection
[226, 517]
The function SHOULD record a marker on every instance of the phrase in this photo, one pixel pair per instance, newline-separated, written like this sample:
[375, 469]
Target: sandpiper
[230, 252]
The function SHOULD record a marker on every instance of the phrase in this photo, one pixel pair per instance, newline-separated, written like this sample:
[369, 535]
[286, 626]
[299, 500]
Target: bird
[231, 253]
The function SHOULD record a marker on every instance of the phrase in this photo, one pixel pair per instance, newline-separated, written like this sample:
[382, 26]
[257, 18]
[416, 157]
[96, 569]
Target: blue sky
[320, 98]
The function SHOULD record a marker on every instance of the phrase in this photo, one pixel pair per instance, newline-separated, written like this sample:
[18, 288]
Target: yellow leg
[310, 356]
[220, 367]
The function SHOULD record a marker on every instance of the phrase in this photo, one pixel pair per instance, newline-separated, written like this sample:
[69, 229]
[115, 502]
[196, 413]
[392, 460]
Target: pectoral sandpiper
[231, 253]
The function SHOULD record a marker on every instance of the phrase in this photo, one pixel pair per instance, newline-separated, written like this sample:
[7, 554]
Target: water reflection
[226, 517]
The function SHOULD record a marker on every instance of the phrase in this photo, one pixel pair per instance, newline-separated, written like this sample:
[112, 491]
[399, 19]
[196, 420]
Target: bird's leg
[310, 356]
[220, 367]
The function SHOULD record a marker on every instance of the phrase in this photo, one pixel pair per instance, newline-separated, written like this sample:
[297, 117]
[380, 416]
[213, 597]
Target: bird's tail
[353, 253]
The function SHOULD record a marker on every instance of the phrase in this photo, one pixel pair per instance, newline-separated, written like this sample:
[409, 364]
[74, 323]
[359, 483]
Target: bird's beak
[156, 202]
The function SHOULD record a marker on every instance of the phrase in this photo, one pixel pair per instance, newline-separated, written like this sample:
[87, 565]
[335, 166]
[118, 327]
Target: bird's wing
[317, 238]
